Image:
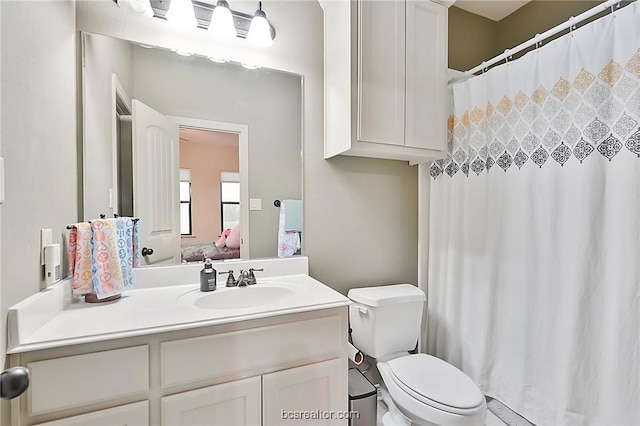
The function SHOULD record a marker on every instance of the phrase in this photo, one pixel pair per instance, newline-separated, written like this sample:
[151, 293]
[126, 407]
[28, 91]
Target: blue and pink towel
[102, 255]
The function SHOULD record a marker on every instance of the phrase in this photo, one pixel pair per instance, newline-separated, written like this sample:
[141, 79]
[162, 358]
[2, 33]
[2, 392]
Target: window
[186, 224]
[229, 200]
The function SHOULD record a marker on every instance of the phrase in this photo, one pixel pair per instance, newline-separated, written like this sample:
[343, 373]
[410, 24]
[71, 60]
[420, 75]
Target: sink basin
[243, 297]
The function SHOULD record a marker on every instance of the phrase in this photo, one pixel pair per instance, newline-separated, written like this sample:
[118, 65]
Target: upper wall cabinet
[385, 79]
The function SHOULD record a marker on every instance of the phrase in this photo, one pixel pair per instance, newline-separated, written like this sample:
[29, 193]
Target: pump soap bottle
[208, 277]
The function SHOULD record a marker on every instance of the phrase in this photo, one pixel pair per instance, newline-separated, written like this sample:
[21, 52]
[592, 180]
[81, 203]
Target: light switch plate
[255, 203]
[46, 238]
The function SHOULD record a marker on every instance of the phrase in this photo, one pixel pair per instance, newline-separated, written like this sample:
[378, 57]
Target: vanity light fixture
[181, 13]
[221, 25]
[260, 31]
[219, 19]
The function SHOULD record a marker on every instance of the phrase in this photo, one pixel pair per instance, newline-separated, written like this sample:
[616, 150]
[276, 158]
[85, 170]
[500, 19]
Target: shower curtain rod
[538, 38]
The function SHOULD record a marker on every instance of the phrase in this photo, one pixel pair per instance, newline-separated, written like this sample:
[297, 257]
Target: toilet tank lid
[386, 295]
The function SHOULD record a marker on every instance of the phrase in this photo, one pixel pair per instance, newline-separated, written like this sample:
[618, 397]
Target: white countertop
[162, 309]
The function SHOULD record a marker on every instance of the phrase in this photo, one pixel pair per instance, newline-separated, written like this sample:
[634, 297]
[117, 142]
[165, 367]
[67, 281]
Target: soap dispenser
[208, 277]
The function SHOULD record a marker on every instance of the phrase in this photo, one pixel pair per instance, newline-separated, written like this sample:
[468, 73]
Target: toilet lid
[436, 380]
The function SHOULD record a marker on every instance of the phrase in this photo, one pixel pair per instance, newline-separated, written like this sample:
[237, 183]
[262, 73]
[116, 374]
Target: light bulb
[221, 25]
[181, 14]
[140, 8]
[259, 31]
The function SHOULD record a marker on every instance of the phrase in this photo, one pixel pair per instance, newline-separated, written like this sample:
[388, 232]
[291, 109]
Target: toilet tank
[385, 319]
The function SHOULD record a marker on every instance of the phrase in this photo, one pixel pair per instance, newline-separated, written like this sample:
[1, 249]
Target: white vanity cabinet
[237, 373]
[385, 79]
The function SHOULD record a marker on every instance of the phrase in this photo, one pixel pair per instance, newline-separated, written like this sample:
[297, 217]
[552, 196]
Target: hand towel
[80, 263]
[292, 215]
[288, 241]
[102, 254]
[114, 255]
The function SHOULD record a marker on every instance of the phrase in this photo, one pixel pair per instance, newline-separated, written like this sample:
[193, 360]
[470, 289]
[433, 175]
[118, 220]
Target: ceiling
[208, 137]
[494, 10]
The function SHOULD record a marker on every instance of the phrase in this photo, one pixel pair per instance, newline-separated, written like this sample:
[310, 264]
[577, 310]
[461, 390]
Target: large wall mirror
[199, 151]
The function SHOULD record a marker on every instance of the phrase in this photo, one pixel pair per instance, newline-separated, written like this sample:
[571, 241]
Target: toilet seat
[422, 407]
[434, 382]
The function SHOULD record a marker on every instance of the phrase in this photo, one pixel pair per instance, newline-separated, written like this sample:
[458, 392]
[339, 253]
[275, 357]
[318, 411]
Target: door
[230, 404]
[426, 65]
[156, 159]
[310, 395]
[381, 71]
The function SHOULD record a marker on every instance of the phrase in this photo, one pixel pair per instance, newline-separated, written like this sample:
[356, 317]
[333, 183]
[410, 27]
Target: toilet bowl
[418, 388]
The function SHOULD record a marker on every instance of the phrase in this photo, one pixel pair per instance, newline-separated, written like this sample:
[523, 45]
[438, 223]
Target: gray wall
[268, 102]
[104, 56]
[360, 214]
[38, 102]
[473, 38]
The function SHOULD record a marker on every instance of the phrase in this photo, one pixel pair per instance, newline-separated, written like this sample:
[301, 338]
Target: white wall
[38, 103]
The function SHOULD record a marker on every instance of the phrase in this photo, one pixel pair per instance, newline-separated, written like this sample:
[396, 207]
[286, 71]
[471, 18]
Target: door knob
[13, 382]
[147, 251]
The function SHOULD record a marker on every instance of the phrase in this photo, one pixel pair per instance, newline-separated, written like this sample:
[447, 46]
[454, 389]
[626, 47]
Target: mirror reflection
[188, 146]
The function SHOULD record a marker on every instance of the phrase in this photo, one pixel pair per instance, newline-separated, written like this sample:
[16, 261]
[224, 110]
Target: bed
[197, 252]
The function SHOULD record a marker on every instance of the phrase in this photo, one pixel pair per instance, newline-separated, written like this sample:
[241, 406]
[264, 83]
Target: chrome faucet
[252, 277]
[231, 280]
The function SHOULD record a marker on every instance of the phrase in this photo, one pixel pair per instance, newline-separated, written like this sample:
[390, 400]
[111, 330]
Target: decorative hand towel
[80, 265]
[288, 241]
[102, 254]
[114, 254]
[292, 215]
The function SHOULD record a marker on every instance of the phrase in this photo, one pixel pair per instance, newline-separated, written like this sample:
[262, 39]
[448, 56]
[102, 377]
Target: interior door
[156, 172]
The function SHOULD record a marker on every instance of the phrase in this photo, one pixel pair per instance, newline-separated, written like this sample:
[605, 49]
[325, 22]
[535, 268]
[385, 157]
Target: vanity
[168, 354]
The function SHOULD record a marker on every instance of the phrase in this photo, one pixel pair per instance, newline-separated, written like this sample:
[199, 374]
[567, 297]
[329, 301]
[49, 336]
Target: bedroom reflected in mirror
[187, 145]
[209, 195]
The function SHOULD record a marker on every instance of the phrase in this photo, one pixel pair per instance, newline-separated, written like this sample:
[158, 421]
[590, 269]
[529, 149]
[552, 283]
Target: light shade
[181, 13]
[140, 8]
[221, 25]
[259, 31]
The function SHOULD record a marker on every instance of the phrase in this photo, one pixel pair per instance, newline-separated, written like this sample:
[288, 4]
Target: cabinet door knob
[147, 251]
[13, 382]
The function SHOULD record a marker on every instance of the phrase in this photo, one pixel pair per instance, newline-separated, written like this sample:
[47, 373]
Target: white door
[156, 172]
[303, 394]
[426, 83]
[230, 404]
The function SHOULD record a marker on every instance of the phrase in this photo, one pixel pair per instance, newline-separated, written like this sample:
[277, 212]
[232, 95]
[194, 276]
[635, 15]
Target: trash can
[362, 400]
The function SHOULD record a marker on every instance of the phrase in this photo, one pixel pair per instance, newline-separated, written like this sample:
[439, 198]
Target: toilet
[419, 389]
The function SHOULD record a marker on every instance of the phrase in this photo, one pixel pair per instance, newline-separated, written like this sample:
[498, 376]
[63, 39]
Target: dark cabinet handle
[13, 382]
[147, 251]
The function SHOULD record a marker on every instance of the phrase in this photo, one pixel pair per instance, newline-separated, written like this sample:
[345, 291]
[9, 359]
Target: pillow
[233, 240]
[221, 241]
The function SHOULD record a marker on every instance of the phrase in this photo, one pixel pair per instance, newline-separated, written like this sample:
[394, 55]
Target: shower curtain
[534, 229]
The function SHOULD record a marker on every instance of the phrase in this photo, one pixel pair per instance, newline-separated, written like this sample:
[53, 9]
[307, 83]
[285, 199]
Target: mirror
[240, 130]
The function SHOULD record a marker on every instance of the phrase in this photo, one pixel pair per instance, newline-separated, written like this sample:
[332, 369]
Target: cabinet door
[381, 71]
[426, 63]
[230, 404]
[303, 394]
[127, 415]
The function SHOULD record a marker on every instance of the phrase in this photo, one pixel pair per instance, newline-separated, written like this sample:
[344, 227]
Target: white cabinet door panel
[127, 415]
[381, 71]
[303, 394]
[230, 404]
[426, 80]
